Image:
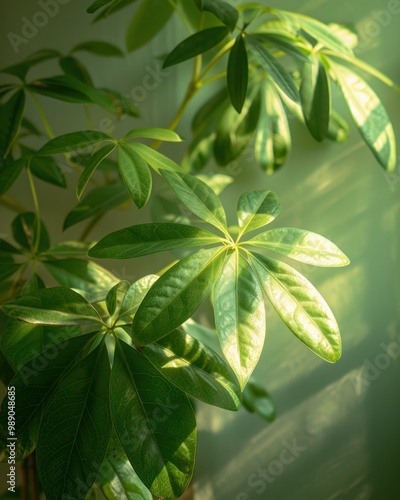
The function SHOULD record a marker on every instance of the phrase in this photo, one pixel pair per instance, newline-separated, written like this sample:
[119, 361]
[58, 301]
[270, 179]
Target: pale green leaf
[257, 209]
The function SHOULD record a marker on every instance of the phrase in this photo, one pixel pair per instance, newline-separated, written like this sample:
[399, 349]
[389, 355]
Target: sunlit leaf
[135, 294]
[257, 209]
[195, 369]
[301, 245]
[369, 115]
[188, 282]
[300, 306]
[239, 316]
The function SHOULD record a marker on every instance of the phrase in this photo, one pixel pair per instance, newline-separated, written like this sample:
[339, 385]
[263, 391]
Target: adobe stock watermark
[260, 479]
[380, 20]
[48, 9]
[371, 369]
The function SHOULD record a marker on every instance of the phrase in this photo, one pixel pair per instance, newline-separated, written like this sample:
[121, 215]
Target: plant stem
[181, 15]
[43, 117]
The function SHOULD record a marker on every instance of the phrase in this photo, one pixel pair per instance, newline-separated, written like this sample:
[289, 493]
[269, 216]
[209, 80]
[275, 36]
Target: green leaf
[73, 141]
[154, 159]
[135, 294]
[145, 25]
[11, 116]
[338, 130]
[273, 68]
[69, 249]
[118, 480]
[286, 43]
[369, 115]
[99, 48]
[113, 298]
[199, 153]
[195, 369]
[237, 73]
[227, 14]
[257, 400]
[100, 200]
[96, 5]
[52, 306]
[145, 239]
[51, 87]
[45, 169]
[300, 306]
[25, 231]
[198, 198]
[7, 269]
[95, 160]
[30, 127]
[135, 174]
[158, 134]
[21, 69]
[21, 342]
[195, 45]
[87, 278]
[33, 383]
[6, 249]
[209, 111]
[123, 105]
[71, 66]
[76, 428]
[188, 282]
[154, 422]
[301, 245]
[9, 172]
[315, 96]
[257, 209]
[235, 131]
[319, 31]
[115, 7]
[217, 182]
[273, 140]
[239, 316]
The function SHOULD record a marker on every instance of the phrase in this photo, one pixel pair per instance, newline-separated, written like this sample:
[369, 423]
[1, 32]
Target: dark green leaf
[9, 172]
[95, 160]
[369, 115]
[52, 306]
[209, 111]
[338, 130]
[96, 5]
[196, 44]
[111, 9]
[273, 140]
[300, 306]
[118, 480]
[290, 45]
[99, 48]
[11, 116]
[135, 174]
[50, 87]
[237, 74]
[113, 298]
[195, 369]
[154, 422]
[257, 209]
[7, 249]
[76, 428]
[98, 201]
[188, 282]
[227, 14]
[124, 105]
[7, 269]
[273, 68]
[145, 239]
[69, 249]
[145, 25]
[315, 96]
[30, 126]
[71, 66]
[239, 316]
[198, 198]
[73, 142]
[257, 400]
[33, 383]
[301, 245]
[45, 169]
[25, 230]
[89, 279]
